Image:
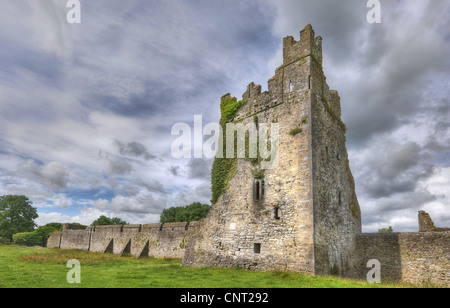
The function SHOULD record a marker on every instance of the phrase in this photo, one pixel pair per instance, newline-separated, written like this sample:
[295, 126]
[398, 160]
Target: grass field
[26, 267]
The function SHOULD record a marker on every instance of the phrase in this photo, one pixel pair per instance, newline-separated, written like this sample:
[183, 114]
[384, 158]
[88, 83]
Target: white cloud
[86, 217]
[42, 23]
[61, 201]
[439, 185]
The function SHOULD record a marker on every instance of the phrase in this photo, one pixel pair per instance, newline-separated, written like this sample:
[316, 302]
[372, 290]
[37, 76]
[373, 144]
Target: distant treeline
[193, 212]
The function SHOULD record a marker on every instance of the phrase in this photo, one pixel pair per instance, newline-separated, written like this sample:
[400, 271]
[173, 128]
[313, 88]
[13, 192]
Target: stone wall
[409, 257]
[74, 237]
[337, 217]
[54, 241]
[153, 240]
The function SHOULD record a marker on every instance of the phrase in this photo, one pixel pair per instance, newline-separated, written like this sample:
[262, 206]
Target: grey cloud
[204, 192]
[115, 166]
[165, 61]
[119, 167]
[200, 169]
[139, 204]
[392, 169]
[337, 21]
[412, 201]
[399, 211]
[52, 175]
[154, 186]
[134, 149]
[174, 170]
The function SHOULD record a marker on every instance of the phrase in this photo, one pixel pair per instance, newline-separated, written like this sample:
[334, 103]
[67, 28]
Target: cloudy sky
[86, 110]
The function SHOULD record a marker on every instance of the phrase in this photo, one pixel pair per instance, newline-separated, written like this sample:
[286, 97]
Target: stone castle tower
[303, 215]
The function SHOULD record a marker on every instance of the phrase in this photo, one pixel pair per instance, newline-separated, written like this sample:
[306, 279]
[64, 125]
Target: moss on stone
[258, 173]
[296, 131]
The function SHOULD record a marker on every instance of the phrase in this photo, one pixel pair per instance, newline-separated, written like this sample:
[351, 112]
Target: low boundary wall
[152, 240]
[409, 257]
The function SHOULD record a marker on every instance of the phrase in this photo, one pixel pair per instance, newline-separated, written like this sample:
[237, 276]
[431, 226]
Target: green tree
[386, 230]
[168, 215]
[16, 215]
[105, 221]
[192, 212]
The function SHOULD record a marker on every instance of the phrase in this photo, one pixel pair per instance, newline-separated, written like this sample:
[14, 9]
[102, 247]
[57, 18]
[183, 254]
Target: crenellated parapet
[298, 78]
[308, 45]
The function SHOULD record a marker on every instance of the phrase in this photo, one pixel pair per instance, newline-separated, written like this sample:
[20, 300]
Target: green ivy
[258, 173]
[224, 169]
[229, 107]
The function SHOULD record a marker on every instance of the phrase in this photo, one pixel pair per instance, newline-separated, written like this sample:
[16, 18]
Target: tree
[386, 230]
[16, 215]
[105, 221]
[193, 212]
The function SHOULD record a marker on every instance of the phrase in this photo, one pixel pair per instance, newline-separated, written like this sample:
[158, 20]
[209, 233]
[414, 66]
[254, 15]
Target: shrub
[21, 238]
[38, 237]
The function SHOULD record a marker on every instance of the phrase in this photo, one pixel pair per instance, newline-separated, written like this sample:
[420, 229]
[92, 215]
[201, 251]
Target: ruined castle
[301, 216]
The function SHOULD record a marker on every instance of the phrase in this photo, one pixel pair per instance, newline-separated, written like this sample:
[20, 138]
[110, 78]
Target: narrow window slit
[277, 213]
[257, 248]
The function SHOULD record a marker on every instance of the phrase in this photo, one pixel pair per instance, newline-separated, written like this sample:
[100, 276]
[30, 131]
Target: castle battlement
[308, 45]
[300, 74]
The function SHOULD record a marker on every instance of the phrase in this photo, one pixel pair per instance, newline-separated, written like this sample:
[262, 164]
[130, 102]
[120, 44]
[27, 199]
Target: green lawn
[26, 267]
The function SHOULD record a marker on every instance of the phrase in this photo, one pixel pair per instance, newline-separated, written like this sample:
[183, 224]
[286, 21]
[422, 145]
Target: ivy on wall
[229, 107]
[224, 169]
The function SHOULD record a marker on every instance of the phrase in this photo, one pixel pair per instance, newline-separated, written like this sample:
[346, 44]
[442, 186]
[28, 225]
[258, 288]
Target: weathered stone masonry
[409, 257]
[305, 216]
[152, 240]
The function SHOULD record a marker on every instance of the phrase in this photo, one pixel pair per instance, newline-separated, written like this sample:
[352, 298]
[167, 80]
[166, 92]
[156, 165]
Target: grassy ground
[26, 267]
